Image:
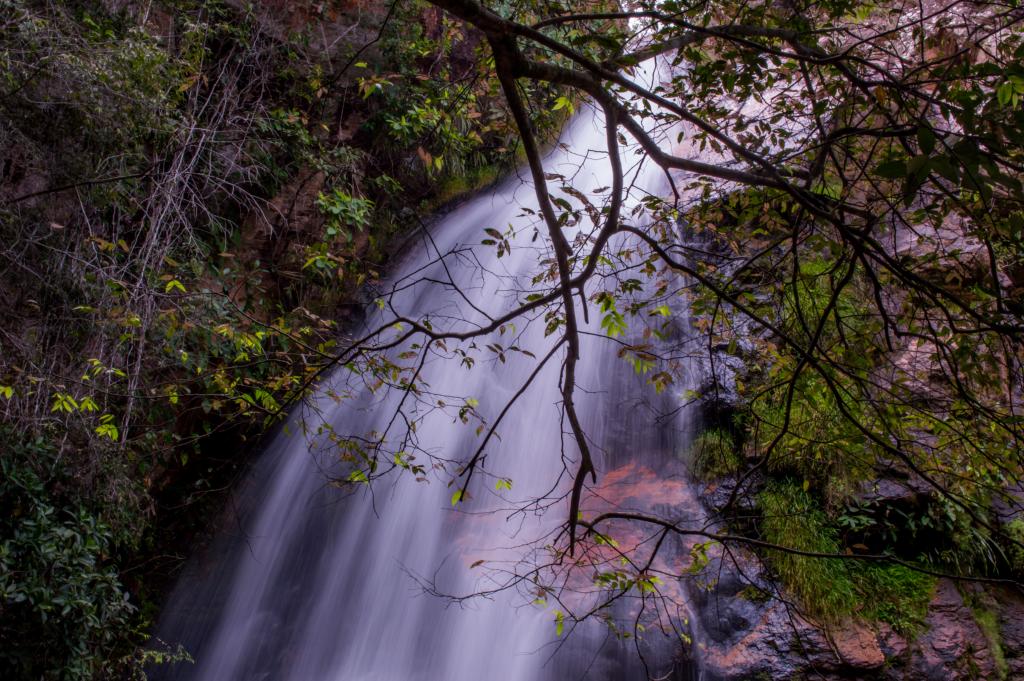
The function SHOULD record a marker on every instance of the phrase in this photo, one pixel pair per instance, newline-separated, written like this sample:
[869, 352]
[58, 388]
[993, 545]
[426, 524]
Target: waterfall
[309, 582]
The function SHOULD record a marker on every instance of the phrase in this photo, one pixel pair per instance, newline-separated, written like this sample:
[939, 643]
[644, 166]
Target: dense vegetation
[194, 196]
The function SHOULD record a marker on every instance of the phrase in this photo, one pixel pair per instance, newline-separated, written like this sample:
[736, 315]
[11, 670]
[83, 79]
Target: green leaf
[564, 102]
[945, 168]
[925, 139]
[891, 170]
[63, 402]
[661, 311]
[917, 165]
[1004, 94]
[456, 497]
[108, 430]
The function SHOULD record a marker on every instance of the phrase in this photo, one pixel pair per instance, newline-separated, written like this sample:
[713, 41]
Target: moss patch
[894, 594]
[983, 607]
[834, 589]
[791, 518]
[714, 455]
[459, 186]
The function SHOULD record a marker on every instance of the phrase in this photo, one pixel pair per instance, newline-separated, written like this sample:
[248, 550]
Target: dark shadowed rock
[896, 488]
[718, 494]
[1009, 505]
[719, 395]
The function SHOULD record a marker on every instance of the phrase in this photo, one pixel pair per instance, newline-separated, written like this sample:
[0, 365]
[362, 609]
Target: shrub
[64, 610]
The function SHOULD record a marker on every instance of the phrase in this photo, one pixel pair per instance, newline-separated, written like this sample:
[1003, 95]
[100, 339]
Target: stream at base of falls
[311, 581]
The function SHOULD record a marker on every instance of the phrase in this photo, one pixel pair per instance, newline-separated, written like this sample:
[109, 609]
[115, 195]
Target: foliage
[1015, 529]
[833, 589]
[65, 611]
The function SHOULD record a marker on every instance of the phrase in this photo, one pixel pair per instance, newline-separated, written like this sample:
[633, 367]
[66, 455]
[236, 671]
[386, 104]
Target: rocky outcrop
[745, 637]
[750, 634]
[970, 631]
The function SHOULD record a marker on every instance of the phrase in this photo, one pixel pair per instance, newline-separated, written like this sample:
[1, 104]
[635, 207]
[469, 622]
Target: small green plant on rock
[1015, 554]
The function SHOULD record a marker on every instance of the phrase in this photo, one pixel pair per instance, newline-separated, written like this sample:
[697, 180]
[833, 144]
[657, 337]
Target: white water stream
[310, 583]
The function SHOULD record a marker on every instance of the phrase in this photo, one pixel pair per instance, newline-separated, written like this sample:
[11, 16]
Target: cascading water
[314, 583]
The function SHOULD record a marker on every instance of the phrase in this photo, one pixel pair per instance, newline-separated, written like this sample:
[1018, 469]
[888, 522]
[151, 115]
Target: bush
[64, 611]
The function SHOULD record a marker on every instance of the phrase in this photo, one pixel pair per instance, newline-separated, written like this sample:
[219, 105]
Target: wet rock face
[744, 636]
[1010, 619]
[748, 637]
[952, 645]
[728, 608]
[782, 645]
[720, 398]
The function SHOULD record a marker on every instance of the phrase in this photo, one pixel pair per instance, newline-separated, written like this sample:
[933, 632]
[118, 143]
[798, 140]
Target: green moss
[714, 455]
[894, 594]
[835, 589]
[458, 186]
[791, 518]
[813, 440]
[983, 608]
